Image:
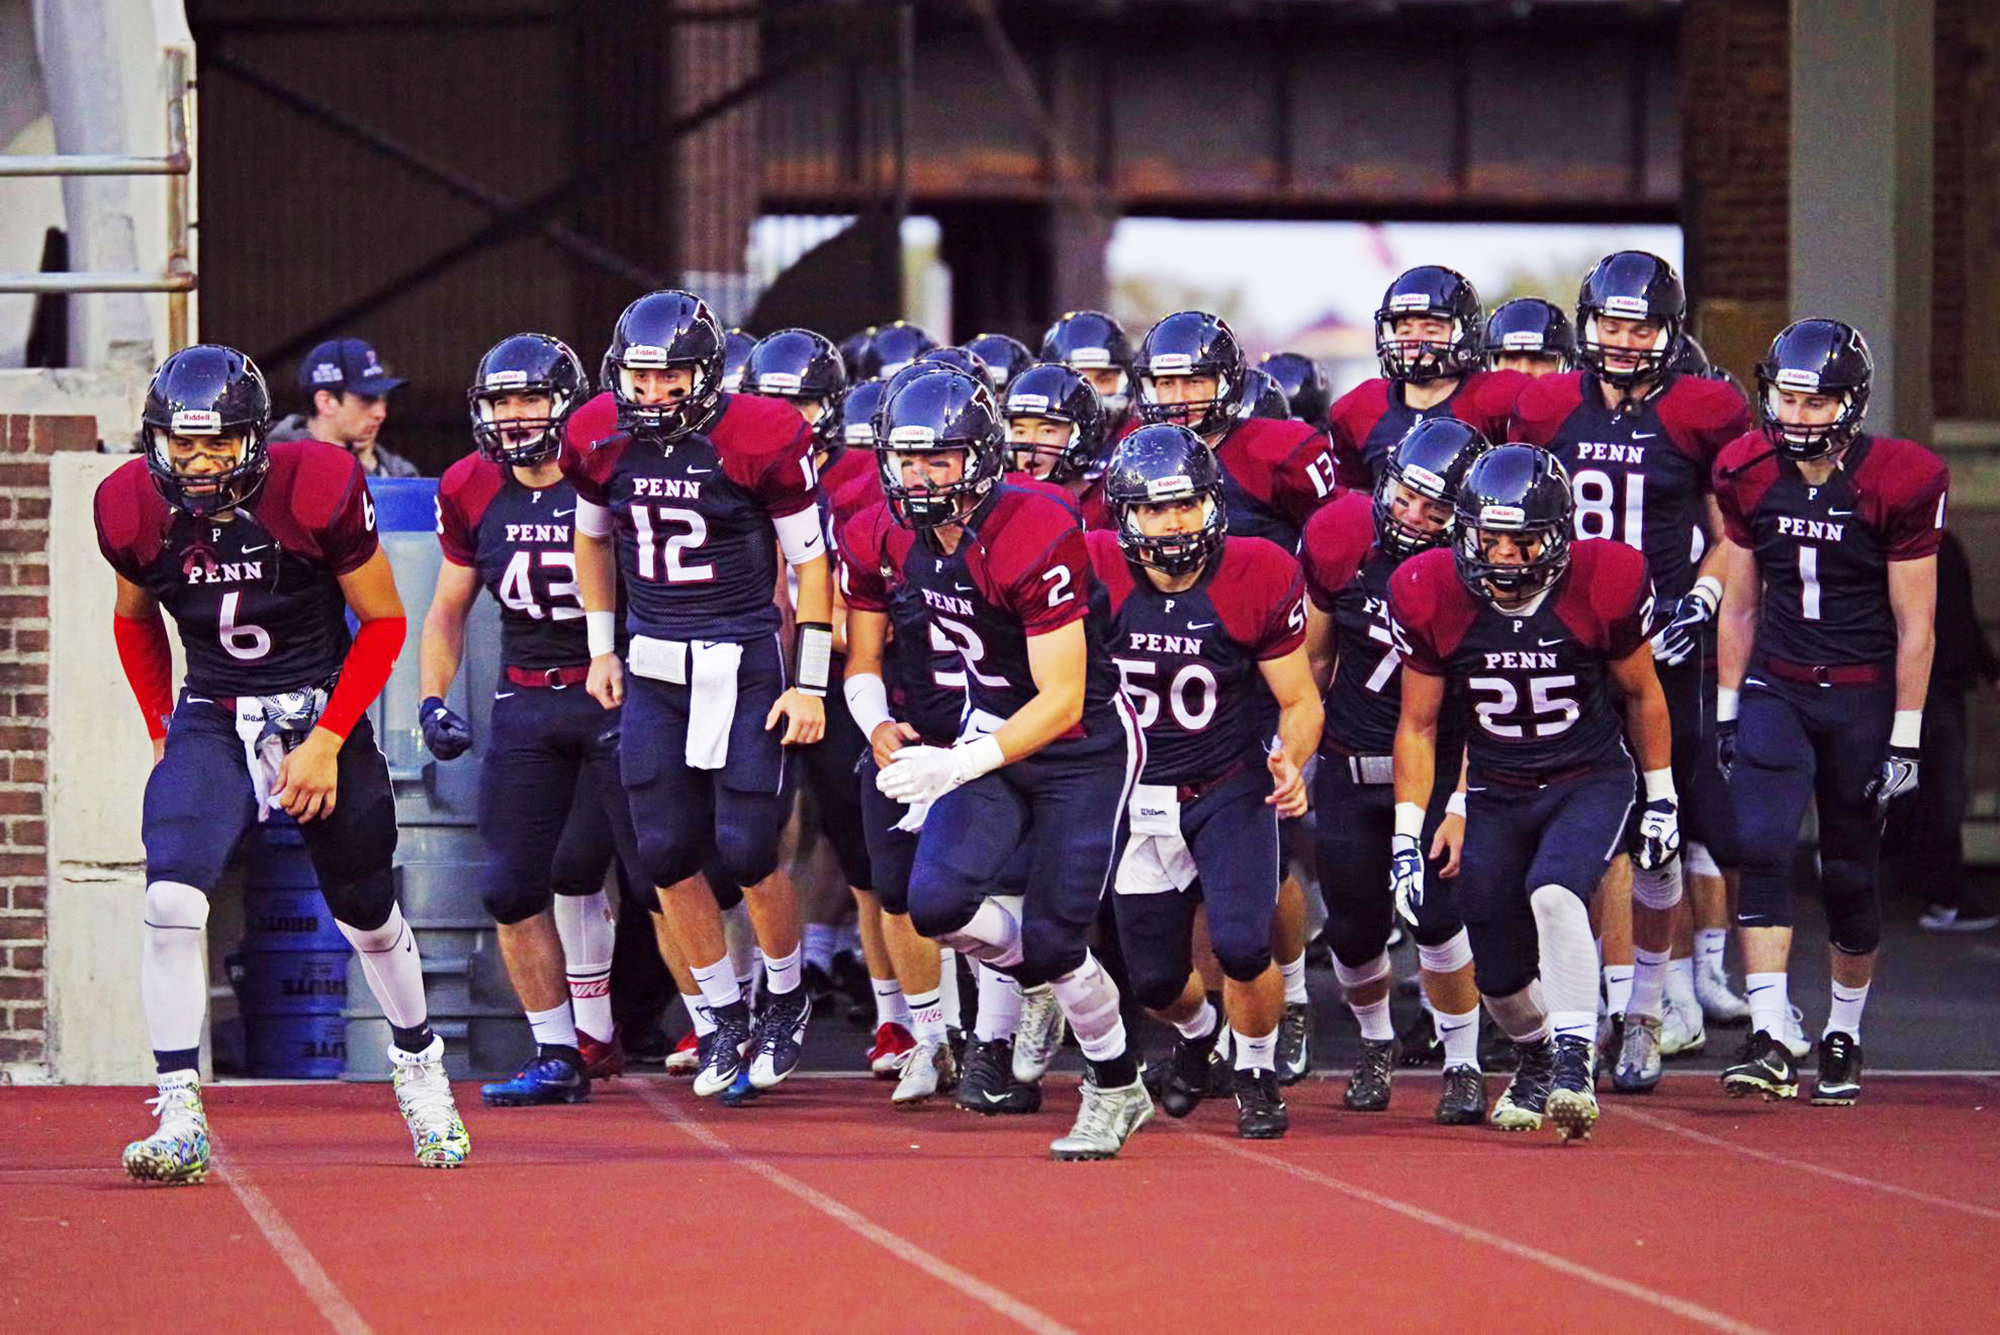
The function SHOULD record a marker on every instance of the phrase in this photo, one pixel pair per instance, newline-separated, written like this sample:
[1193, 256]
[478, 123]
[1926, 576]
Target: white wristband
[1709, 589]
[600, 632]
[979, 756]
[867, 702]
[1659, 784]
[592, 520]
[1409, 820]
[1725, 705]
[1907, 731]
[1455, 805]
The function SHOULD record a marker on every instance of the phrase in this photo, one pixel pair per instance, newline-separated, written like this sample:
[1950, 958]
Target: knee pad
[1155, 991]
[666, 859]
[1048, 952]
[1659, 890]
[1448, 957]
[1521, 1014]
[750, 855]
[1246, 964]
[508, 899]
[170, 904]
[1374, 971]
[1853, 909]
[373, 940]
[367, 901]
[1698, 861]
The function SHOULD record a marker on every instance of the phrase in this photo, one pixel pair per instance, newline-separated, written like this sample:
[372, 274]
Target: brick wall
[25, 446]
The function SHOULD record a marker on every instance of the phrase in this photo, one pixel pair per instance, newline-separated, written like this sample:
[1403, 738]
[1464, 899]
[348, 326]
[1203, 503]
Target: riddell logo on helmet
[197, 422]
[646, 356]
[779, 382]
[1024, 404]
[1090, 359]
[1419, 476]
[913, 435]
[1806, 381]
[1630, 308]
[1502, 516]
[1410, 301]
[1169, 488]
[506, 379]
[1171, 363]
[1524, 340]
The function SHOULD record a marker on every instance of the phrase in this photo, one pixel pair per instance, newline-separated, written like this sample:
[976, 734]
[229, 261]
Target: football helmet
[890, 348]
[1004, 355]
[805, 367]
[1529, 326]
[940, 410]
[1815, 356]
[1191, 343]
[525, 364]
[659, 331]
[1631, 285]
[1515, 489]
[736, 348]
[1092, 341]
[1305, 385]
[1430, 460]
[1441, 294]
[1166, 462]
[857, 413]
[207, 390]
[1054, 391]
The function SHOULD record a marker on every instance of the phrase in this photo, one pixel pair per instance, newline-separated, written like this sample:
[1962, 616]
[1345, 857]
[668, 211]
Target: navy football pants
[1355, 823]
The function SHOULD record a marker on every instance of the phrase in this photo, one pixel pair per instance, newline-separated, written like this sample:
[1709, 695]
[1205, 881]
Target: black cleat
[1368, 1088]
[1463, 1099]
[1765, 1068]
[723, 1061]
[1295, 1036]
[1260, 1108]
[986, 1083]
[1526, 1099]
[1572, 1104]
[1188, 1074]
[1839, 1082]
[1421, 1044]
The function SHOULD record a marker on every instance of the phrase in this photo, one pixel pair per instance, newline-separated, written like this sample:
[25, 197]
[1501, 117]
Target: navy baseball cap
[346, 365]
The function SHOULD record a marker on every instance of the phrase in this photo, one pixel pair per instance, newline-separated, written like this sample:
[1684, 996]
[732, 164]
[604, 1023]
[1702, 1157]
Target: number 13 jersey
[1538, 696]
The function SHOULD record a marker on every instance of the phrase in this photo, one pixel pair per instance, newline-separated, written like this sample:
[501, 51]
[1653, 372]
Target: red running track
[822, 1208]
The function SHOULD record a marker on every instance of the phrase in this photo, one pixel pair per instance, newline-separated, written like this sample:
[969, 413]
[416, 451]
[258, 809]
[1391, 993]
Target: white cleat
[1104, 1122]
[1681, 1030]
[1794, 1037]
[423, 1094]
[177, 1153]
[928, 1069]
[1720, 1002]
[1039, 1035]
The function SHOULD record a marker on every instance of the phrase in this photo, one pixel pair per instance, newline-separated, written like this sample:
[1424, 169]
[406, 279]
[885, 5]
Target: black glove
[1896, 776]
[446, 734]
[1725, 747]
[1679, 637]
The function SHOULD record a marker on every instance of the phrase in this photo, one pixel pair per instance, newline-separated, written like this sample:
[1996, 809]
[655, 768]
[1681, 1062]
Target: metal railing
[179, 278]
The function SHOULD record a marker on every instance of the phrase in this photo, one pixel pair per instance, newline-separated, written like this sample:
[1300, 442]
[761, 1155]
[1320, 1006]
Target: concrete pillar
[1862, 136]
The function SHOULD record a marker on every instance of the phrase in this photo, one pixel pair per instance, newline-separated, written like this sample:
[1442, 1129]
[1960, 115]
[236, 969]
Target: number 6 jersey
[1538, 696]
[520, 540]
[256, 597]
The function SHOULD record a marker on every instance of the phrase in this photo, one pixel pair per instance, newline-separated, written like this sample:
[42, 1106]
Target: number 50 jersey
[256, 598]
[1537, 690]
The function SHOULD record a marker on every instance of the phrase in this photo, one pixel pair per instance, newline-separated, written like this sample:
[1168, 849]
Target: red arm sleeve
[363, 674]
[149, 666]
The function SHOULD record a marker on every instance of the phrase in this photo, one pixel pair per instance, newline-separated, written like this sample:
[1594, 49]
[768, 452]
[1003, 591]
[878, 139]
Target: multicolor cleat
[176, 1154]
[423, 1096]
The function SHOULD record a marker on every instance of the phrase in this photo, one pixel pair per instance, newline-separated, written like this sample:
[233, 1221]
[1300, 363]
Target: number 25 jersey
[1538, 695]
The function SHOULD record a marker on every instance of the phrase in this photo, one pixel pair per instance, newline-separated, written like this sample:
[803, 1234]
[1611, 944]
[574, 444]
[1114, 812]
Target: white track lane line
[291, 1249]
[895, 1244]
[1666, 1302]
[1850, 1179]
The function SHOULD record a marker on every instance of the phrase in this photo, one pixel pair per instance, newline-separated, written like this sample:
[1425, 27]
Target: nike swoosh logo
[1765, 988]
[701, 470]
[1548, 643]
[1644, 435]
[503, 695]
[199, 700]
[1752, 681]
[991, 1097]
[262, 545]
[963, 588]
[1454, 1028]
[1470, 789]
[1838, 514]
[560, 513]
[1200, 625]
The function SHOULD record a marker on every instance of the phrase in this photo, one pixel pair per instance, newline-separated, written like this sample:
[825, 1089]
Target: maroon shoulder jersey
[1189, 661]
[843, 482]
[1367, 421]
[921, 666]
[1537, 687]
[1348, 577]
[692, 517]
[256, 597]
[1824, 551]
[1274, 475]
[520, 540]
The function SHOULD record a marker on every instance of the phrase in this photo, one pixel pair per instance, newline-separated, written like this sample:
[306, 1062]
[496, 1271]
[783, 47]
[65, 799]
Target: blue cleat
[544, 1079]
[740, 1091]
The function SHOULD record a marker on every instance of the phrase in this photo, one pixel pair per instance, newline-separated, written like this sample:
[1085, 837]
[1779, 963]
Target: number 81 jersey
[256, 597]
[521, 541]
[1538, 697]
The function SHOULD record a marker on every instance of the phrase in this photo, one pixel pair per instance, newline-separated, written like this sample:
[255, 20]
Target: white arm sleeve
[867, 702]
[799, 535]
[592, 520]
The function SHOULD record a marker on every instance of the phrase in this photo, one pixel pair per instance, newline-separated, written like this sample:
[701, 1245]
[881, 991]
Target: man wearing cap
[347, 388]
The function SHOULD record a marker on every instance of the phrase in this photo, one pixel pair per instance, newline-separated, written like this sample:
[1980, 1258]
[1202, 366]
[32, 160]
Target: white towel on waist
[712, 671]
[1157, 860]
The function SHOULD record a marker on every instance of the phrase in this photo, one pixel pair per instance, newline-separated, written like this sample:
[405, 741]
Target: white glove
[1659, 834]
[923, 774]
[1406, 875]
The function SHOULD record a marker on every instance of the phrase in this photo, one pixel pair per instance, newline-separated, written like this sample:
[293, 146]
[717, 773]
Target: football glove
[1659, 834]
[1725, 748]
[1680, 638]
[1896, 776]
[446, 734]
[1406, 875]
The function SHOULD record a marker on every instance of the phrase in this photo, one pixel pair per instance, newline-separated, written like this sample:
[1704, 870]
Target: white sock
[1374, 1020]
[739, 938]
[1568, 957]
[747, 972]
[1295, 980]
[1709, 945]
[173, 970]
[927, 1018]
[782, 973]
[891, 1007]
[394, 972]
[717, 981]
[1089, 999]
[1649, 980]
[1461, 1038]
[1770, 1002]
[1256, 1052]
[999, 1005]
[818, 941]
[1617, 987]
[1845, 1017]
[847, 937]
[1680, 985]
[553, 1027]
[589, 934]
[948, 985]
[1202, 1025]
[698, 1011]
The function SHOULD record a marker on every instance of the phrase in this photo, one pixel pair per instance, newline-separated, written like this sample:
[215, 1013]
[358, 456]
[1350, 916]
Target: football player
[1351, 549]
[1544, 634]
[1308, 395]
[260, 551]
[1005, 357]
[1428, 334]
[690, 504]
[1055, 433]
[882, 350]
[1197, 618]
[1831, 539]
[504, 515]
[1531, 336]
[1094, 345]
[736, 347]
[1048, 751]
[1637, 439]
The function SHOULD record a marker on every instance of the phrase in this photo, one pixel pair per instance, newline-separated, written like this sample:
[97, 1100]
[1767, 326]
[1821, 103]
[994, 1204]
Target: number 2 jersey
[1189, 660]
[256, 597]
[1537, 689]
[1824, 551]
[692, 517]
[521, 541]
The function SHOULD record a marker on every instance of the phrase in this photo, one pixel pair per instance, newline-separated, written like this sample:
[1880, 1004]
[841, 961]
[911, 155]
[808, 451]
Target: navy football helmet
[1631, 285]
[661, 331]
[890, 348]
[857, 413]
[1094, 343]
[1815, 356]
[1053, 391]
[525, 364]
[1307, 392]
[804, 367]
[1530, 327]
[736, 348]
[1430, 460]
[208, 390]
[1261, 396]
[1520, 490]
[1166, 462]
[1191, 343]
[1439, 293]
[938, 411]
[1004, 355]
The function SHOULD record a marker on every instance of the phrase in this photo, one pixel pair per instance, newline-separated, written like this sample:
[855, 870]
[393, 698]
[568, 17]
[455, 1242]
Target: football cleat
[725, 1050]
[1368, 1088]
[1638, 1068]
[1766, 1068]
[1720, 1003]
[1462, 1101]
[1260, 1108]
[986, 1083]
[1682, 1033]
[1526, 1097]
[1610, 1037]
[1839, 1082]
[1949, 918]
[601, 1060]
[688, 1055]
[1420, 1042]
[1295, 1036]
[885, 1057]
[178, 1152]
[1794, 1036]
[542, 1079]
[1105, 1120]
[423, 1095]
[928, 1070]
[780, 1039]
[1188, 1075]
[1038, 1035]
[1572, 1102]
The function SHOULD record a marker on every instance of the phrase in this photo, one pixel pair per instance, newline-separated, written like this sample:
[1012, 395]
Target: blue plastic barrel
[296, 1047]
[294, 982]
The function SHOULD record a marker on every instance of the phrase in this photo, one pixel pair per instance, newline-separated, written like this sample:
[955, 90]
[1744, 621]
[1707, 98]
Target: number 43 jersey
[256, 597]
[521, 541]
[1538, 696]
